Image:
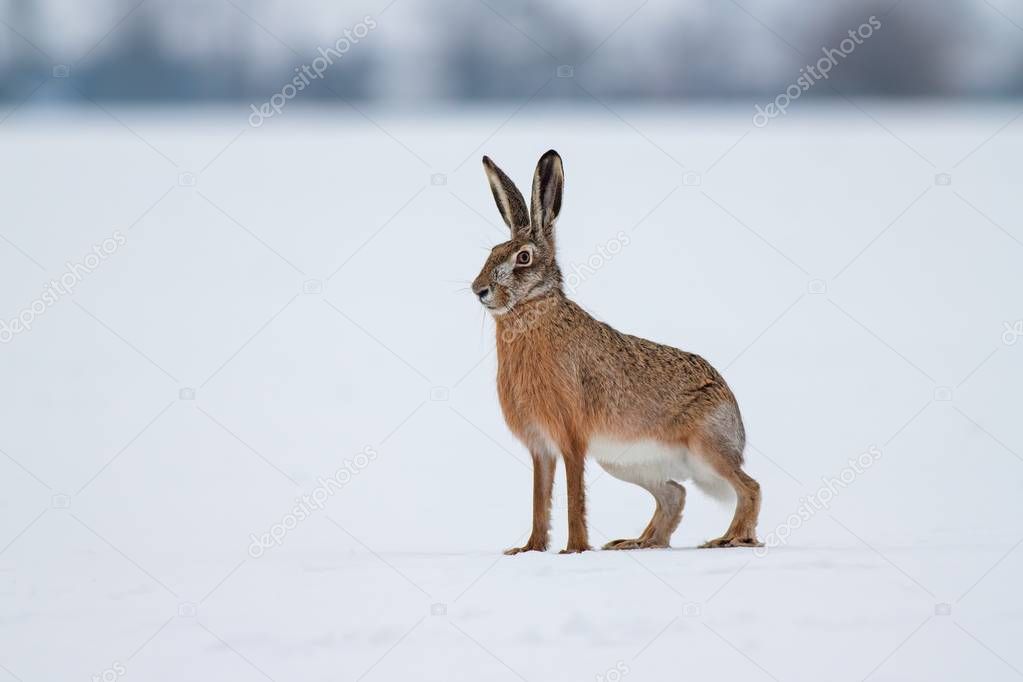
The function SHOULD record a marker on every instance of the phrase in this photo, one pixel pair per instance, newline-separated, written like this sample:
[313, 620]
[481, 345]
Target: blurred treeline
[437, 50]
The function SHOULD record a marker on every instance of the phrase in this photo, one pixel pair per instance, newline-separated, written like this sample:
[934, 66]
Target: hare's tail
[716, 488]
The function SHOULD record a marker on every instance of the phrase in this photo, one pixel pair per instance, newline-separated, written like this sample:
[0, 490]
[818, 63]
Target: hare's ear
[548, 185]
[509, 200]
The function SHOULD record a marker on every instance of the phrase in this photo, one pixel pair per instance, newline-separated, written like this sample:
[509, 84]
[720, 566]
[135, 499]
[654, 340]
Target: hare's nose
[483, 292]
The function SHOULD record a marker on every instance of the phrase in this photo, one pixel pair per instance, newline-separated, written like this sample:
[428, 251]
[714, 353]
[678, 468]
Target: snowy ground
[304, 300]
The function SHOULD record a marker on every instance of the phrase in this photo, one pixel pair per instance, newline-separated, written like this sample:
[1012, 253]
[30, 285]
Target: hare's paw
[732, 542]
[528, 547]
[576, 550]
[636, 543]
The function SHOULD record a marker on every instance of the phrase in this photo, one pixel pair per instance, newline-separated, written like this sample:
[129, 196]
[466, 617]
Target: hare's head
[523, 268]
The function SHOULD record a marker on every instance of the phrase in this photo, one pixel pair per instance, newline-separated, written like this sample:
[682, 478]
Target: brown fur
[564, 378]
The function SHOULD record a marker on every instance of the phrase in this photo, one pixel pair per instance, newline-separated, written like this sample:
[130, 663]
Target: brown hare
[572, 386]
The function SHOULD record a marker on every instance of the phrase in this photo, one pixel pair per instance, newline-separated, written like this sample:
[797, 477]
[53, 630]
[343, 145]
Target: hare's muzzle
[484, 293]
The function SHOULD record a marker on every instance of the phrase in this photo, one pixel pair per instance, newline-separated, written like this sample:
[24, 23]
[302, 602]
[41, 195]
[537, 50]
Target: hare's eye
[523, 258]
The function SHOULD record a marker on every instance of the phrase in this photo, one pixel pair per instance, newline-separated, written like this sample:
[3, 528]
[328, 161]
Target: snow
[301, 313]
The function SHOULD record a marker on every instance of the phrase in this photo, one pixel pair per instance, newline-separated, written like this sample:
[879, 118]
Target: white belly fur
[649, 462]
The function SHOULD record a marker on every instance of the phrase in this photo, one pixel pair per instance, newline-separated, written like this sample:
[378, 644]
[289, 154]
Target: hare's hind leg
[670, 498]
[720, 445]
[743, 530]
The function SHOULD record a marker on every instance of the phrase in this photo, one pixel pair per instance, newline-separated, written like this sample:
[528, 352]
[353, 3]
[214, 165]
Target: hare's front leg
[543, 483]
[578, 537]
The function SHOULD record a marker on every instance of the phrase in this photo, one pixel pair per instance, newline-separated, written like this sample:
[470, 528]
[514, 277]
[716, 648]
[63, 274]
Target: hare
[572, 386]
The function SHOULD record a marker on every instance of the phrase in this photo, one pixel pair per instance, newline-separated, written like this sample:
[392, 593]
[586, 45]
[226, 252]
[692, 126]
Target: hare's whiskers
[483, 323]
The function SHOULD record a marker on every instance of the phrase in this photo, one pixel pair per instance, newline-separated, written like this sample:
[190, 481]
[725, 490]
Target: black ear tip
[550, 160]
[487, 161]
